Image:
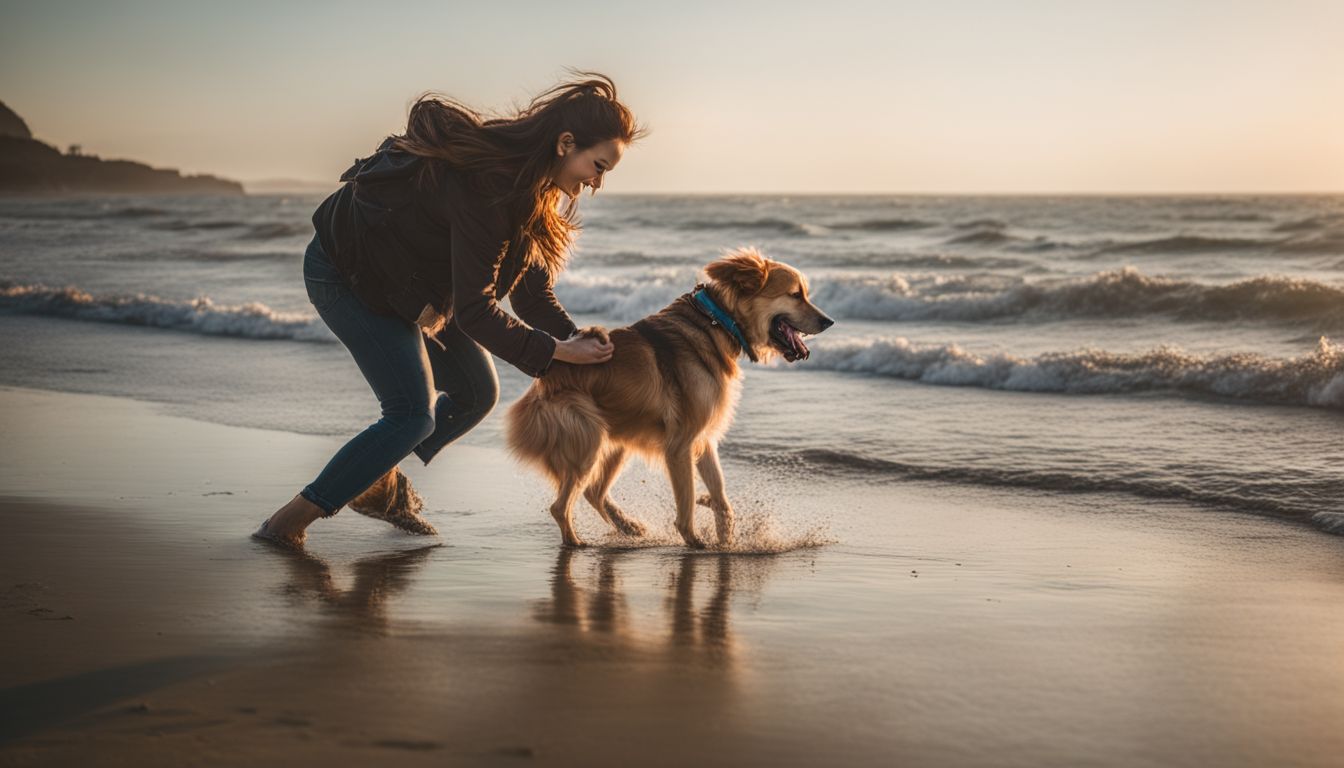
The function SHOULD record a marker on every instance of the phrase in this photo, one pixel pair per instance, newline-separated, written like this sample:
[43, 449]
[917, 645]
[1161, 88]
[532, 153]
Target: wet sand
[900, 623]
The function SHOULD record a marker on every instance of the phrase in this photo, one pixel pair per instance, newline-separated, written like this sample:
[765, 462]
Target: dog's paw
[707, 501]
[628, 526]
[692, 540]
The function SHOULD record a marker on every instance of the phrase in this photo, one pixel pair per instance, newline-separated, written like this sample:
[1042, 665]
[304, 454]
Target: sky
[959, 96]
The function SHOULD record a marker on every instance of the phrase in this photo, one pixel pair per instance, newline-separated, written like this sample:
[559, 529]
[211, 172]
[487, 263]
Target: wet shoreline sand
[936, 625]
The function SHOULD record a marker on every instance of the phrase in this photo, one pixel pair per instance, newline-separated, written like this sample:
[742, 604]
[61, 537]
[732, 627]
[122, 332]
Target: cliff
[31, 167]
[11, 125]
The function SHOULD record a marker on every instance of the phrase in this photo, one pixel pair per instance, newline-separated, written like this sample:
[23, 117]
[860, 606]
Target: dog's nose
[826, 322]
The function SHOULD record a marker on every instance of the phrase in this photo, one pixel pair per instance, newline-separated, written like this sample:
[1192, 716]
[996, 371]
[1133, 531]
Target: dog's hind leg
[681, 472]
[562, 509]
[598, 494]
[600, 484]
[712, 474]
[565, 435]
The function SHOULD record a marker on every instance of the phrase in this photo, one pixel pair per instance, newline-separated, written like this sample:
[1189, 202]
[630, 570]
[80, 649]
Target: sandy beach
[1047, 472]
[899, 623]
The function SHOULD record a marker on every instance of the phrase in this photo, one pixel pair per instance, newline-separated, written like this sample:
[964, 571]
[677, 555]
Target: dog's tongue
[800, 350]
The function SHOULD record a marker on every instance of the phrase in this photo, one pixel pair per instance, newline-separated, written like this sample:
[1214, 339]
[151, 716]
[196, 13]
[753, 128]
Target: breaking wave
[1118, 293]
[1315, 380]
[979, 297]
[623, 299]
[252, 320]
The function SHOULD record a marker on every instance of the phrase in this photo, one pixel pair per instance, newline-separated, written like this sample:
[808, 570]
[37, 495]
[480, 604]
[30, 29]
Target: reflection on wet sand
[708, 627]
[696, 607]
[364, 604]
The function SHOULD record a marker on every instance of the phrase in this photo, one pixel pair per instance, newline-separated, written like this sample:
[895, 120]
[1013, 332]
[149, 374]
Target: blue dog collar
[718, 316]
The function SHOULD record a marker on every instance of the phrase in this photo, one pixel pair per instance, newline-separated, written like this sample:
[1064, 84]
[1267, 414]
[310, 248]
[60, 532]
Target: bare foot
[292, 542]
[286, 527]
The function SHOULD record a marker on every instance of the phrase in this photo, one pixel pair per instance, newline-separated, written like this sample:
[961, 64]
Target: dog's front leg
[712, 474]
[681, 472]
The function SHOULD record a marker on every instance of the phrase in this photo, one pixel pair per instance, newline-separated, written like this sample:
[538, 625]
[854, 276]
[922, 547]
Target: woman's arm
[531, 350]
[533, 298]
[534, 301]
[477, 250]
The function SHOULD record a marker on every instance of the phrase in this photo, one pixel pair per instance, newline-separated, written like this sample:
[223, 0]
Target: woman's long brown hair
[515, 157]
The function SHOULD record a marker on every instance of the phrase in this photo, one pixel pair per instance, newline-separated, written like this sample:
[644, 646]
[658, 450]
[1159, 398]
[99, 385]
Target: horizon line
[890, 193]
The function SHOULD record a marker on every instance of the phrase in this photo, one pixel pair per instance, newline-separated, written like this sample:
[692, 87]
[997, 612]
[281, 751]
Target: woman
[421, 242]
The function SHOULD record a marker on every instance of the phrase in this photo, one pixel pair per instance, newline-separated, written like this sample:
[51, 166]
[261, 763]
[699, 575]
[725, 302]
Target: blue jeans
[430, 394]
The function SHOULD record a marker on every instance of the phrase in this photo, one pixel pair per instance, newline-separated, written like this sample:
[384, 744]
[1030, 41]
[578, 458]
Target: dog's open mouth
[788, 340]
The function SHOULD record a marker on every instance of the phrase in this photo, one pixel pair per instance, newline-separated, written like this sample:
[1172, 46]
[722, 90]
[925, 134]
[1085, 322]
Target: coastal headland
[32, 167]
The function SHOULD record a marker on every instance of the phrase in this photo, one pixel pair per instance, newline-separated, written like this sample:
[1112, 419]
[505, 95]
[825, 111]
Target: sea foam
[202, 315]
[981, 297]
[1316, 379]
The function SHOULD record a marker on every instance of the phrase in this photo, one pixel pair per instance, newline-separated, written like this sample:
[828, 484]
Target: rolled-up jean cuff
[328, 509]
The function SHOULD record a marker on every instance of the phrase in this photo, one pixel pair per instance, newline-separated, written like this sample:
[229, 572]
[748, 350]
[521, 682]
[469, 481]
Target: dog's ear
[745, 270]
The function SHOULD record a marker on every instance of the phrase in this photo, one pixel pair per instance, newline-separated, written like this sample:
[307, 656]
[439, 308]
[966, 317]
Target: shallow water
[1181, 348]
[873, 617]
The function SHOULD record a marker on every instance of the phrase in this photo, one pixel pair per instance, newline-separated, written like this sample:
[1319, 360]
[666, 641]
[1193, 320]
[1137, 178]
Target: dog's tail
[563, 432]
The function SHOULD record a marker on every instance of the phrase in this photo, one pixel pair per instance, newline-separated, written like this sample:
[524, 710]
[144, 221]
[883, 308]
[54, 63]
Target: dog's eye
[798, 294]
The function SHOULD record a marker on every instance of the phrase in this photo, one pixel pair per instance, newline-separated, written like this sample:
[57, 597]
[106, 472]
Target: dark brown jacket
[402, 246]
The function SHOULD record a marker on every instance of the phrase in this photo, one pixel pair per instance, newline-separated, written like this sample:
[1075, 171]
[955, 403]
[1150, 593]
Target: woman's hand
[585, 349]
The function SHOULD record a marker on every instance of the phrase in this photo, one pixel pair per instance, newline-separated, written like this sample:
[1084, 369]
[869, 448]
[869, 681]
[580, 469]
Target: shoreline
[931, 625]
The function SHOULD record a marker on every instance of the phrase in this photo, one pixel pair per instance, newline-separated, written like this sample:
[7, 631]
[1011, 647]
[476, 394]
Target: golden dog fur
[668, 393]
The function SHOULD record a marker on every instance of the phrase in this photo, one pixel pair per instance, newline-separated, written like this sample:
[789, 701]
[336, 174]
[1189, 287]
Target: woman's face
[579, 168]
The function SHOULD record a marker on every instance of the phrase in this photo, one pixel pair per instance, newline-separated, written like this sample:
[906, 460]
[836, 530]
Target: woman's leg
[392, 357]
[465, 376]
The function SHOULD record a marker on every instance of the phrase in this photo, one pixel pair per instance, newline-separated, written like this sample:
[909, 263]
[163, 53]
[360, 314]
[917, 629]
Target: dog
[668, 393]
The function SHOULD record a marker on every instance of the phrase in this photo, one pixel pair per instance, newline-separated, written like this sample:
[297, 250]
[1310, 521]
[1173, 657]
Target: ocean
[1179, 349]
